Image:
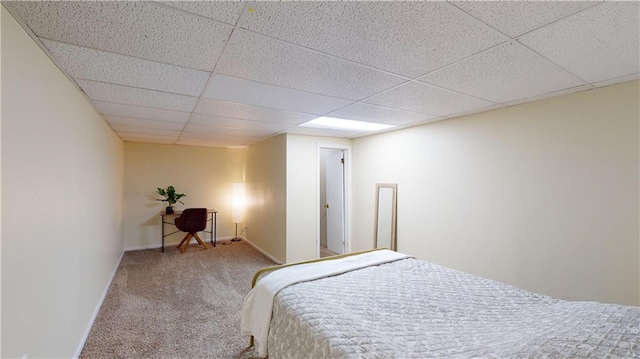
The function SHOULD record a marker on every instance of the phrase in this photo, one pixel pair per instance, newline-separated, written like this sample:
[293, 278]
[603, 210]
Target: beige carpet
[172, 305]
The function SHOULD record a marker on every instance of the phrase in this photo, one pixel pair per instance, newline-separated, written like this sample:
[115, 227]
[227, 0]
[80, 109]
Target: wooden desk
[213, 220]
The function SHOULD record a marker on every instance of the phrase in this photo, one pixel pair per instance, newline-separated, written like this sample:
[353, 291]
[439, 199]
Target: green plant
[170, 195]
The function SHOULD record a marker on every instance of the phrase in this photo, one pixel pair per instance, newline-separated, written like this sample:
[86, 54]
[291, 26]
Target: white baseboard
[168, 245]
[262, 251]
[97, 310]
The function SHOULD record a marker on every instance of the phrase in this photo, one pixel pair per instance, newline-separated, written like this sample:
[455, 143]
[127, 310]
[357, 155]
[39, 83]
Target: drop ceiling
[235, 73]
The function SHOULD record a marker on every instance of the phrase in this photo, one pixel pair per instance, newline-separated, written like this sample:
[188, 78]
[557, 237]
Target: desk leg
[214, 229]
[162, 233]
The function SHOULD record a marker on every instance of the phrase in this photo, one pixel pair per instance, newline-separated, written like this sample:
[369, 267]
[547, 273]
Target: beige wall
[204, 174]
[62, 172]
[543, 195]
[266, 187]
[302, 194]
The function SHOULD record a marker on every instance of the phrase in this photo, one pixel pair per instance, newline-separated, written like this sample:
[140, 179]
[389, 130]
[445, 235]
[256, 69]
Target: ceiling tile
[88, 64]
[550, 94]
[136, 28]
[144, 130]
[247, 112]
[138, 122]
[134, 96]
[419, 97]
[417, 37]
[232, 89]
[205, 131]
[504, 73]
[514, 18]
[215, 142]
[616, 80]
[233, 127]
[258, 58]
[147, 140]
[597, 44]
[144, 136]
[234, 123]
[147, 113]
[224, 11]
[325, 132]
[378, 114]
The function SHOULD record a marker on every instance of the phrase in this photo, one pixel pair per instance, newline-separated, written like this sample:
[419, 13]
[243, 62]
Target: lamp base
[236, 238]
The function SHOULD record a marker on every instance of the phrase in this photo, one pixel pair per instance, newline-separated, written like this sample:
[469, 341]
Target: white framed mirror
[384, 231]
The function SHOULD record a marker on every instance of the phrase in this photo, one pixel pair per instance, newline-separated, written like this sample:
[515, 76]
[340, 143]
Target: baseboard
[168, 245]
[262, 251]
[97, 310]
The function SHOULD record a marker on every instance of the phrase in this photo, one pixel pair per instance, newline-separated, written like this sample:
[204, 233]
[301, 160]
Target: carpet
[173, 305]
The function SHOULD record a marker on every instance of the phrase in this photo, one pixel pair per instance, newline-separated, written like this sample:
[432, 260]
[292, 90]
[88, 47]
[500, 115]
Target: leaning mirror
[384, 231]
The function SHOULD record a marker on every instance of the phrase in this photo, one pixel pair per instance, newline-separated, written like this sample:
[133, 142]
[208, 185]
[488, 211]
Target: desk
[213, 220]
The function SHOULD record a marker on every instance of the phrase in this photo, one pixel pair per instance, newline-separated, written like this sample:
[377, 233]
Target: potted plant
[171, 197]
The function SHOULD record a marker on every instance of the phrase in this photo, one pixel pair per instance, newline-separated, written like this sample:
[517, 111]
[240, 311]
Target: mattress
[414, 309]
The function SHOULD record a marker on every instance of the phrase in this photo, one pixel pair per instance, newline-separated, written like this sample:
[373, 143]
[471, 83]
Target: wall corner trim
[276, 261]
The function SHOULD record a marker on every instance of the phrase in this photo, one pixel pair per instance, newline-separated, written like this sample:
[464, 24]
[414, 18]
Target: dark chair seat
[192, 221]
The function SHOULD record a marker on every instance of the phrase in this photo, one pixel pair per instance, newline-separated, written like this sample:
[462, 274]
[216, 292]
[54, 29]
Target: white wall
[62, 174]
[302, 194]
[266, 186]
[204, 174]
[543, 196]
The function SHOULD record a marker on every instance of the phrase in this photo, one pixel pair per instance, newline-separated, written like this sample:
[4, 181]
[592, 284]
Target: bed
[383, 304]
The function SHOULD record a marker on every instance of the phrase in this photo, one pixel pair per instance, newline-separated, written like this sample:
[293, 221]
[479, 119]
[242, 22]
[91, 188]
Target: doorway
[333, 201]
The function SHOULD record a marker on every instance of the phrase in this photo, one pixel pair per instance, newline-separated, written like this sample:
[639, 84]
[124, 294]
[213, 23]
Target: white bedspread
[258, 305]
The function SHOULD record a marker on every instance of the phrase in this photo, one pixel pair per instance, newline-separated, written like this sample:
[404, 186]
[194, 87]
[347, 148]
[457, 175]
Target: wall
[62, 173]
[543, 195]
[266, 186]
[204, 174]
[302, 194]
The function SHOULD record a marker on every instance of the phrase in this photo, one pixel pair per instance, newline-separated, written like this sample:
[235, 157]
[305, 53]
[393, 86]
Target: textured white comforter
[258, 304]
[414, 309]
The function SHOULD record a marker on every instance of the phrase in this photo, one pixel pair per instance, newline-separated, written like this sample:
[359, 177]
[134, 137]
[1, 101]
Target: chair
[192, 221]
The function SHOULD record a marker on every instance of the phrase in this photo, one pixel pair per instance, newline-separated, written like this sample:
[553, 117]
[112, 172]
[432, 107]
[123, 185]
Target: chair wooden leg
[185, 241]
[202, 243]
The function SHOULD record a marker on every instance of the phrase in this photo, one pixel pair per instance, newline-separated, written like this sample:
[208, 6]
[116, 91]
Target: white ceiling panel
[216, 142]
[147, 113]
[148, 140]
[138, 122]
[419, 97]
[247, 112]
[379, 114]
[504, 73]
[259, 58]
[140, 29]
[234, 123]
[261, 129]
[224, 11]
[417, 37]
[88, 64]
[550, 94]
[135, 96]
[146, 136]
[325, 132]
[144, 130]
[515, 18]
[597, 44]
[204, 131]
[616, 80]
[232, 89]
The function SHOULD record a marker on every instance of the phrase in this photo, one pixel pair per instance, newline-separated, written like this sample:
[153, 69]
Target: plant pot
[169, 210]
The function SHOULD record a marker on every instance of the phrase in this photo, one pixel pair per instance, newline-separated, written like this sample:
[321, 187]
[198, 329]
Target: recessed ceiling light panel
[342, 124]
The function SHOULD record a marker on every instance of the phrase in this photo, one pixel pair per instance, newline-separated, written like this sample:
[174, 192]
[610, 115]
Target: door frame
[347, 194]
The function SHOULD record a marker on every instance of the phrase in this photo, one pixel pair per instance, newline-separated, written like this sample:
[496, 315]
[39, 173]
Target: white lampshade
[237, 202]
